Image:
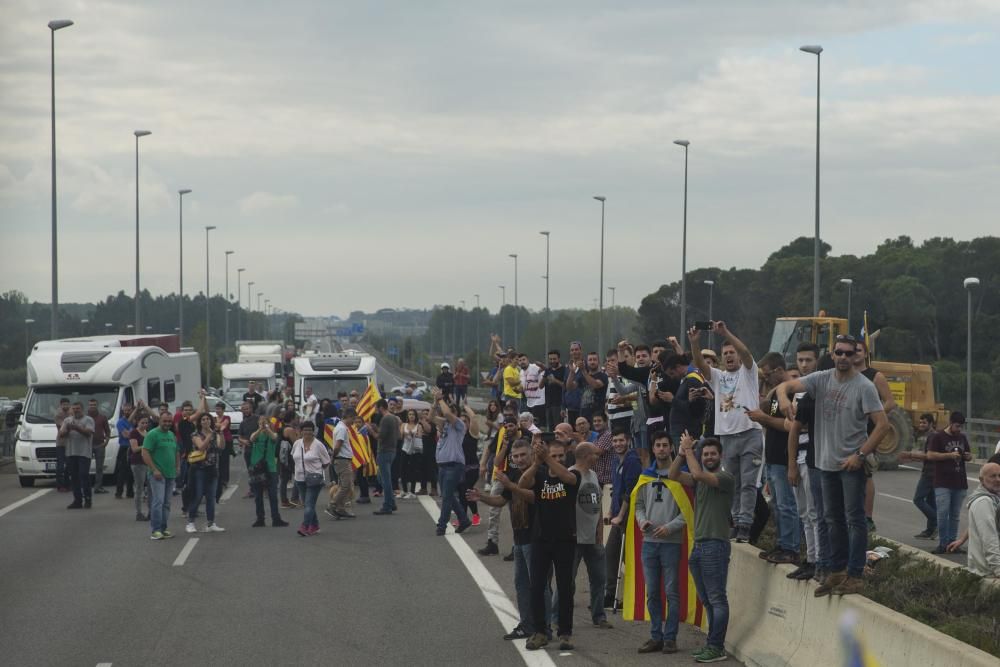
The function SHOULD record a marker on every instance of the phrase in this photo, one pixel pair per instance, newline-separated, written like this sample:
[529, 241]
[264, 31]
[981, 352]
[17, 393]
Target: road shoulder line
[24, 501]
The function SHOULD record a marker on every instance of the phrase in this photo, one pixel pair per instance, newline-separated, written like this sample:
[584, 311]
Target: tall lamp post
[208, 313]
[614, 320]
[228, 299]
[816, 49]
[503, 320]
[250, 307]
[239, 301]
[461, 319]
[27, 322]
[684, 240]
[514, 255]
[477, 340]
[138, 134]
[969, 284]
[600, 289]
[53, 26]
[711, 289]
[180, 297]
[850, 287]
[546, 276]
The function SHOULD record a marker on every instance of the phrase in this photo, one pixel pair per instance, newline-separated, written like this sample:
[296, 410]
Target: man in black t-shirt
[522, 510]
[254, 398]
[553, 543]
[554, 379]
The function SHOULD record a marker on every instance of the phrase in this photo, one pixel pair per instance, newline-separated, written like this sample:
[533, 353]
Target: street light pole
[461, 318]
[684, 241]
[711, 289]
[137, 133]
[27, 321]
[503, 320]
[816, 50]
[180, 298]
[600, 290]
[969, 283]
[53, 26]
[250, 307]
[614, 320]
[546, 276]
[239, 302]
[514, 255]
[850, 285]
[477, 340]
[208, 313]
[228, 300]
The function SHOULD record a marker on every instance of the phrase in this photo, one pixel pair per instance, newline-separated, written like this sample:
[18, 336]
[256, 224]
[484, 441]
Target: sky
[360, 155]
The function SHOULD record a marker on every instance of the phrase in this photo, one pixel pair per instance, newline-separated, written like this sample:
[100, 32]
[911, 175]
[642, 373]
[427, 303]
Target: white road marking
[230, 490]
[186, 551]
[24, 501]
[971, 479]
[498, 601]
[905, 500]
[104, 664]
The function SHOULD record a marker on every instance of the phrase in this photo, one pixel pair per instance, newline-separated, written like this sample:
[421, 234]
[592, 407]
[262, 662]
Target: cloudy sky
[358, 155]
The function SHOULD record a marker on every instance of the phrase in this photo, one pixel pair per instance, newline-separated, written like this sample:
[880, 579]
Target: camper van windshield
[329, 387]
[43, 404]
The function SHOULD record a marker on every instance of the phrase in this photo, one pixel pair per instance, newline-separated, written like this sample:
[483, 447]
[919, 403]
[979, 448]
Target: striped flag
[634, 585]
[328, 425]
[366, 404]
[361, 453]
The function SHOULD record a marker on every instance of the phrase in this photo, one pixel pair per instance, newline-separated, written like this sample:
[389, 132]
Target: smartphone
[703, 325]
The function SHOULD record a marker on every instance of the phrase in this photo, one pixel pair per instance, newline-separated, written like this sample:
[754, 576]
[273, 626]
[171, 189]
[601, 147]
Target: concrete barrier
[775, 621]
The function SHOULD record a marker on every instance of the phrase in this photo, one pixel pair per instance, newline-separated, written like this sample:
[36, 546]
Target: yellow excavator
[912, 385]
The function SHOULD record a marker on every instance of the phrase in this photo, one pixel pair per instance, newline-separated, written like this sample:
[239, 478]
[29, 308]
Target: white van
[113, 370]
[263, 351]
[328, 374]
[238, 377]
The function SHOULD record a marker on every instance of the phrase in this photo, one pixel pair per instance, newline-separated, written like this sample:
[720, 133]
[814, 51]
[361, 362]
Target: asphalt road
[89, 587]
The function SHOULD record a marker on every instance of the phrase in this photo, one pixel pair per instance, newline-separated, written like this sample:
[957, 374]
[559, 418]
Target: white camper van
[328, 374]
[114, 370]
[263, 352]
[238, 377]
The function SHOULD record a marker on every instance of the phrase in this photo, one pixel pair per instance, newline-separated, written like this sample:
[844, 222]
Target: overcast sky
[371, 154]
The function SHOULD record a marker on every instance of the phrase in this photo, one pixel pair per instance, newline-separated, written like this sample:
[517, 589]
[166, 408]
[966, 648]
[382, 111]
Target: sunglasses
[843, 353]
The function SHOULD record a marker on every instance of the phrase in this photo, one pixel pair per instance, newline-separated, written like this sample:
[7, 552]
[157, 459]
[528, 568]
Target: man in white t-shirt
[309, 404]
[736, 393]
[534, 392]
[342, 455]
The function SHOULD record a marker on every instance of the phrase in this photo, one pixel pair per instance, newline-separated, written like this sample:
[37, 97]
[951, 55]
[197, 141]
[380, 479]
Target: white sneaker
[214, 528]
[191, 528]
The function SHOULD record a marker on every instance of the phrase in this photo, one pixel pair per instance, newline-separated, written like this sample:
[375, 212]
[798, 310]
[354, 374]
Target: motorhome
[263, 351]
[328, 374]
[113, 370]
[238, 377]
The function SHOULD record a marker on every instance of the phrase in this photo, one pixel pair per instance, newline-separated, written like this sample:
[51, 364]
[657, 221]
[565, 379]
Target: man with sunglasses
[845, 400]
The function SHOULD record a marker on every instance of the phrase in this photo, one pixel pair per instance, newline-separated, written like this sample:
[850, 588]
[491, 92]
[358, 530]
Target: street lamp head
[230, 252]
[969, 283]
[544, 233]
[847, 281]
[815, 49]
[84, 321]
[59, 24]
[513, 254]
[243, 269]
[29, 321]
[682, 142]
[600, 198]
[209, 228]
[142, 133]
[708, 282]
[185, 191]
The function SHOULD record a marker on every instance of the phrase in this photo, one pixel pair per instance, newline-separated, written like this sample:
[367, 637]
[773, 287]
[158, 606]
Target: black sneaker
[463, 527]
[75, 505]
[510, 557]
[765, 555]
[870, 523]
[517, 633]
[491, 549]
[382, 512]
[259, 523]
[364, 500]
[783, 556]
[803, 572]
[87, 503]
[927, 535]
[743, 534]
[278, 523]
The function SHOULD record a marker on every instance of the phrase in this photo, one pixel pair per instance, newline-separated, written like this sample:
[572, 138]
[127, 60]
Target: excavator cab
[790, 332]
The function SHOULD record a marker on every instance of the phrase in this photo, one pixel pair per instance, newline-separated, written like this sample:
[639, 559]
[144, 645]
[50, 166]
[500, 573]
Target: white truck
[236, 378]
[327, 374]
[263, 352]
[113, 370]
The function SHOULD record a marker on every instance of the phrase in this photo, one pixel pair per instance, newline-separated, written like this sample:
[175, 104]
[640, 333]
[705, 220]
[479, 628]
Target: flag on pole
[361, 453]
[366, 404]
[634, 597]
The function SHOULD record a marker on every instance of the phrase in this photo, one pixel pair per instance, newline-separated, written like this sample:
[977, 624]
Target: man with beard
[534, 392]
[554, 379]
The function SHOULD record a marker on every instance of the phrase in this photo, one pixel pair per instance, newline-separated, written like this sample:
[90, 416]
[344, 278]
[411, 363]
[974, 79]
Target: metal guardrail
[983, 435]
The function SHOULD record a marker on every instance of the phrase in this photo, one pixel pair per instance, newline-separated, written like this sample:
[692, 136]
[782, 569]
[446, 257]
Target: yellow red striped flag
[366, 404]
[361, 453]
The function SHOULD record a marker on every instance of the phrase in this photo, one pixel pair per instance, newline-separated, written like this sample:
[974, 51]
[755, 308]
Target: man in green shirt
[159, 453]
[709, 560]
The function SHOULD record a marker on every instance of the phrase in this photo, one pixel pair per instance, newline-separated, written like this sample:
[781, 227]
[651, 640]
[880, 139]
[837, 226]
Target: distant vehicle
[328, 374]
[263, 352]
[239, 375]
[113, 370]
[421, 387]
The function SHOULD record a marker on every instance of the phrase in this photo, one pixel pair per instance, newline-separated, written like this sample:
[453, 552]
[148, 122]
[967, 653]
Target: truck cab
[114, 371]
[328, 374]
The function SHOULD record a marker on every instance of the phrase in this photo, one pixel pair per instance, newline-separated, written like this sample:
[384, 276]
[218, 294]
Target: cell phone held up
[703, 325]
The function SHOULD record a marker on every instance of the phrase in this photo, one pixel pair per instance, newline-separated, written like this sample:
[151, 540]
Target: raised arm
[676, 474]
[694, 338]
[742, 350]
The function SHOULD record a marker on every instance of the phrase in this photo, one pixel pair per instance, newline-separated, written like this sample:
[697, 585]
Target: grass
[950, 600]
[13, 391]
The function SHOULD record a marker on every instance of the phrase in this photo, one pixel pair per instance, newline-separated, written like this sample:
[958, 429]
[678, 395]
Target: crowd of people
[563, 447]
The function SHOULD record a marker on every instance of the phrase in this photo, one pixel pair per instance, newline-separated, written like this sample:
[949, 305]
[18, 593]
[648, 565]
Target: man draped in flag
[709, 559]
[661, 522]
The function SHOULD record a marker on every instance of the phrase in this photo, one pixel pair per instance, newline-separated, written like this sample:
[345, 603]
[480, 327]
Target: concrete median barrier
[775, 621]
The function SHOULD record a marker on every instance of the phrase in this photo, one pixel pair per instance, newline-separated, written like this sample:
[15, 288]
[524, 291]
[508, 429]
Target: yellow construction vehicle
[912, 385]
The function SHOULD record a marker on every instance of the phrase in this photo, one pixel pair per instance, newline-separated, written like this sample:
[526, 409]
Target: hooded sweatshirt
[655, 503]
[984, 532]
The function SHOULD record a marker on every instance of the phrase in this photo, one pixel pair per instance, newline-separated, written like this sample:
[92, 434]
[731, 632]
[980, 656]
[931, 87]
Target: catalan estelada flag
[361, 453]
[634, 586]
[328, 426]
[366, 404]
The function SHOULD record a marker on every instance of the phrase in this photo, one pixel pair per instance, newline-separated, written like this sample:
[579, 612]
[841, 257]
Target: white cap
[445, 365]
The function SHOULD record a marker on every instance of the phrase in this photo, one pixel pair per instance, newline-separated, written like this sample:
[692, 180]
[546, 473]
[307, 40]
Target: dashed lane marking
[498, 601]
[186, 551]
[24, 501]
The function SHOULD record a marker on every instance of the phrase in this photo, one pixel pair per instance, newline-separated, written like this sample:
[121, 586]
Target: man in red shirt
[461, 382]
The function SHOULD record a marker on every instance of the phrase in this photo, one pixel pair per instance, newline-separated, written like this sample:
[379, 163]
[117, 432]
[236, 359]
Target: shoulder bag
[311, 478]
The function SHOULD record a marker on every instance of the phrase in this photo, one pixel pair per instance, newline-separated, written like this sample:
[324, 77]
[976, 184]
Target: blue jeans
[160, 491]
[786, 510]
[384, 461]
[450, 475]
[522, 585]
[709, 565]
[205, 479]
[309, 494]
[949, 506]
[925, 498]
[822, 530]
[844, 513]
[659, 568]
